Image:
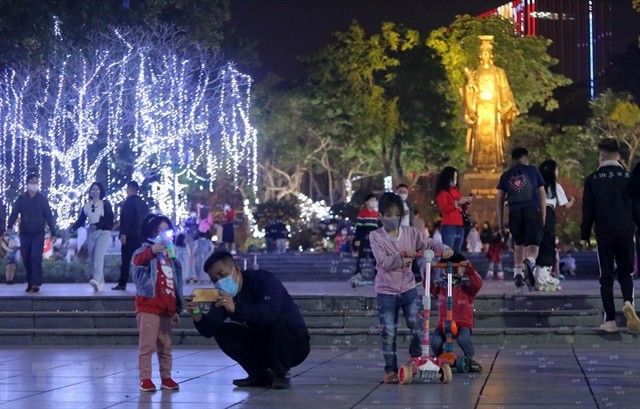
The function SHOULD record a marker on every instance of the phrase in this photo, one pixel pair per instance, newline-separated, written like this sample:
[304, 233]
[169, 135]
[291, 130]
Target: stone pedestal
[483, 186]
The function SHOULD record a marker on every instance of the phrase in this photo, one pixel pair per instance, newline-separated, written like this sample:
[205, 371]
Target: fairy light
[180, 121]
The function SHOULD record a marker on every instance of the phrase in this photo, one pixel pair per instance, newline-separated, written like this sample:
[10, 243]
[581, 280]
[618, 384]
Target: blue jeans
[388, 309]
[453, 236]
[463, 339]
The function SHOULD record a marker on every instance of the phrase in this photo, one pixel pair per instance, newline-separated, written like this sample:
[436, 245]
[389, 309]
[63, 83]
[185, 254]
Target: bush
[74, 271]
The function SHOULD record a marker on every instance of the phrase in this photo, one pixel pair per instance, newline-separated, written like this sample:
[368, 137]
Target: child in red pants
[158, 279]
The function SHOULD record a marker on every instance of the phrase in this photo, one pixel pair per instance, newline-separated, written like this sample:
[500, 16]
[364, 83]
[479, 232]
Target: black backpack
[519, 187]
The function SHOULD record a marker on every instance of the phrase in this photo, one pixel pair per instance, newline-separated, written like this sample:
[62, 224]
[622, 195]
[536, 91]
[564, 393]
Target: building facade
[580, 31]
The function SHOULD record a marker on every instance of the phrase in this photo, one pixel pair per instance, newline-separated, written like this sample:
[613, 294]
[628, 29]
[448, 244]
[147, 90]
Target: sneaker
[94, 283]
[500, 275]
[170, 384]
[29, 289]
[391, 377]
[633, 322]
[528, 267]
[146, 385]
[609, 326]
[489, 275]
[519, 281]
[35, 288]
[281, 381]
[474, 366]
[264, 380]
[119, 288]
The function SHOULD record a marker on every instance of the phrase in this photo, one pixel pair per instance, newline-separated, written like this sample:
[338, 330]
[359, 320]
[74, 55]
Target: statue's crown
[486, 42]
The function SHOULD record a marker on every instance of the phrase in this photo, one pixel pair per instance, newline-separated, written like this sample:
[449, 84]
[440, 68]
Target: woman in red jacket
[451, 204]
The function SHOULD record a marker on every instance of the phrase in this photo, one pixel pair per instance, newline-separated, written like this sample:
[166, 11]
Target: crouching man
[254, 321]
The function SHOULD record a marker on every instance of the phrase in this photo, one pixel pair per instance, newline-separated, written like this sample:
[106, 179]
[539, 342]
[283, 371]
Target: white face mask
[33, 187]
[403, 196]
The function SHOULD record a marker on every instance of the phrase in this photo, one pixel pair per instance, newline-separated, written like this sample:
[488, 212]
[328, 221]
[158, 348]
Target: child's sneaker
[633, 322]
[519, 282]
[528, 267]
[609, 326]
[474, 366]
[146, 385]
[391, 377]
[170, 384]
[489, 275]
[500, 275]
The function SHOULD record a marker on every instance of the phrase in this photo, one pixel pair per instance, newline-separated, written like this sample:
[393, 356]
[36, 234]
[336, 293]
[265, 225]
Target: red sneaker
[168, 383]
[146, 385]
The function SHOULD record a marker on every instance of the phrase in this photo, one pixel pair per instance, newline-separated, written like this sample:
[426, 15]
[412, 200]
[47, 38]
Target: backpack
[519, 187]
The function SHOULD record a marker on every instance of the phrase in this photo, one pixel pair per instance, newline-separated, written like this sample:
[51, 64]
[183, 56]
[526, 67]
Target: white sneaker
[96, 286]
[489, 275]
[633, 322]
[544, 280]
[609, 326]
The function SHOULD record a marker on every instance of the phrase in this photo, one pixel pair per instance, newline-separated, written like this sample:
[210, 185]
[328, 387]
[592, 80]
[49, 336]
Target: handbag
[466, 220]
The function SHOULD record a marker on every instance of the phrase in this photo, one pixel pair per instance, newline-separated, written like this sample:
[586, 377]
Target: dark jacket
[262, 302]
[105, 222]
[134, 210]
[606, 203]
[634, 192]
[34, 213]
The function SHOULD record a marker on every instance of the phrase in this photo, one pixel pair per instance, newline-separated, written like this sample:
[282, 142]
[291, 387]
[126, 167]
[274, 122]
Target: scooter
[425, 367]
[462, 364]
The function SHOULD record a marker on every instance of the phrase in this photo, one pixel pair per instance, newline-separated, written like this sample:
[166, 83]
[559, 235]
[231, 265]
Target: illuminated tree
[139, 104]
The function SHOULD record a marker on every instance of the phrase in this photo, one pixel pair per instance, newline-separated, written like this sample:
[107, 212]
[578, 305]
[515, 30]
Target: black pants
[31, 245]
[277, 348]
[547, 252]
[616, 248]
[125, 266]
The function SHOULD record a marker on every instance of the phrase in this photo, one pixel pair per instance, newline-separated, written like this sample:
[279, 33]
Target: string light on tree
[141, 105]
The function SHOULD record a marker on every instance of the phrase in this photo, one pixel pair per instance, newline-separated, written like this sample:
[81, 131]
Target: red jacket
[451, 215]
[164, 302]
[462, 299]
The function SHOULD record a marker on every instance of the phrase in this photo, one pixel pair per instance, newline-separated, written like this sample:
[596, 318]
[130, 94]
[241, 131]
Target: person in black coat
[254, 321]
[607, 205]
[34, 211]
[134, 211]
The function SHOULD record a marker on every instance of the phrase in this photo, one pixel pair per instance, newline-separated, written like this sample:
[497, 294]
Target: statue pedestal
[483, 186]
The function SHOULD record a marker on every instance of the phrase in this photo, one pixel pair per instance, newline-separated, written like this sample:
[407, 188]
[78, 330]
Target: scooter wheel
[445, 373]
[405, 374]
[462, 364]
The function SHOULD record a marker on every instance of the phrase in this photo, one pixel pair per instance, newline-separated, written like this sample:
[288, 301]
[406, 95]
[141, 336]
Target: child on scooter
[394, 248]
[466, 284]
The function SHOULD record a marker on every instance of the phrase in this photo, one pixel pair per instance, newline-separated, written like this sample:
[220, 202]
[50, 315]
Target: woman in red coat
[451, 204]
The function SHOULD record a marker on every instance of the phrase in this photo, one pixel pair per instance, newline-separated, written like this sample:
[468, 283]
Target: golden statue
[489, 110]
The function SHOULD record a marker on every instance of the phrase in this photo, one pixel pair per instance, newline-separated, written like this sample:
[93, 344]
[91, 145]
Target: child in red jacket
[466, 284]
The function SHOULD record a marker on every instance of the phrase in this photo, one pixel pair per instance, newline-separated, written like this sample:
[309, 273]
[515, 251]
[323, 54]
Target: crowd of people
[255, 321]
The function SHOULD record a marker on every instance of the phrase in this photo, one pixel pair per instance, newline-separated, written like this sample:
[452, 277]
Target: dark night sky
[286, 29]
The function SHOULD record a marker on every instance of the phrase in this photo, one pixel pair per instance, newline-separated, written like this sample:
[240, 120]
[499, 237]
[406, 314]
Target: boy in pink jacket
[394, 248]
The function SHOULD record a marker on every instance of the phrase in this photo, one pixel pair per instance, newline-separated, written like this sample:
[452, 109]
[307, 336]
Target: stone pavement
[605, 375]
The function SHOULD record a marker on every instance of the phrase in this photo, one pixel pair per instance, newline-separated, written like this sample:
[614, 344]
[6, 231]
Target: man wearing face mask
[254, 321]
[34, 211]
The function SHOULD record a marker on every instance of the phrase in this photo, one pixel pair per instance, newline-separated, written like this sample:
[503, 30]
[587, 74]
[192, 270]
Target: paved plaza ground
[606, 375]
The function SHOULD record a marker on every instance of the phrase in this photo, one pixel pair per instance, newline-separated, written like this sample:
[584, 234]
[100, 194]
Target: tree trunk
[396, 157]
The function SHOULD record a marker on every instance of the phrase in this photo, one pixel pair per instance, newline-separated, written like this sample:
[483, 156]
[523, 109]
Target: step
[580, 336]
[488, 302]
[314, 319]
